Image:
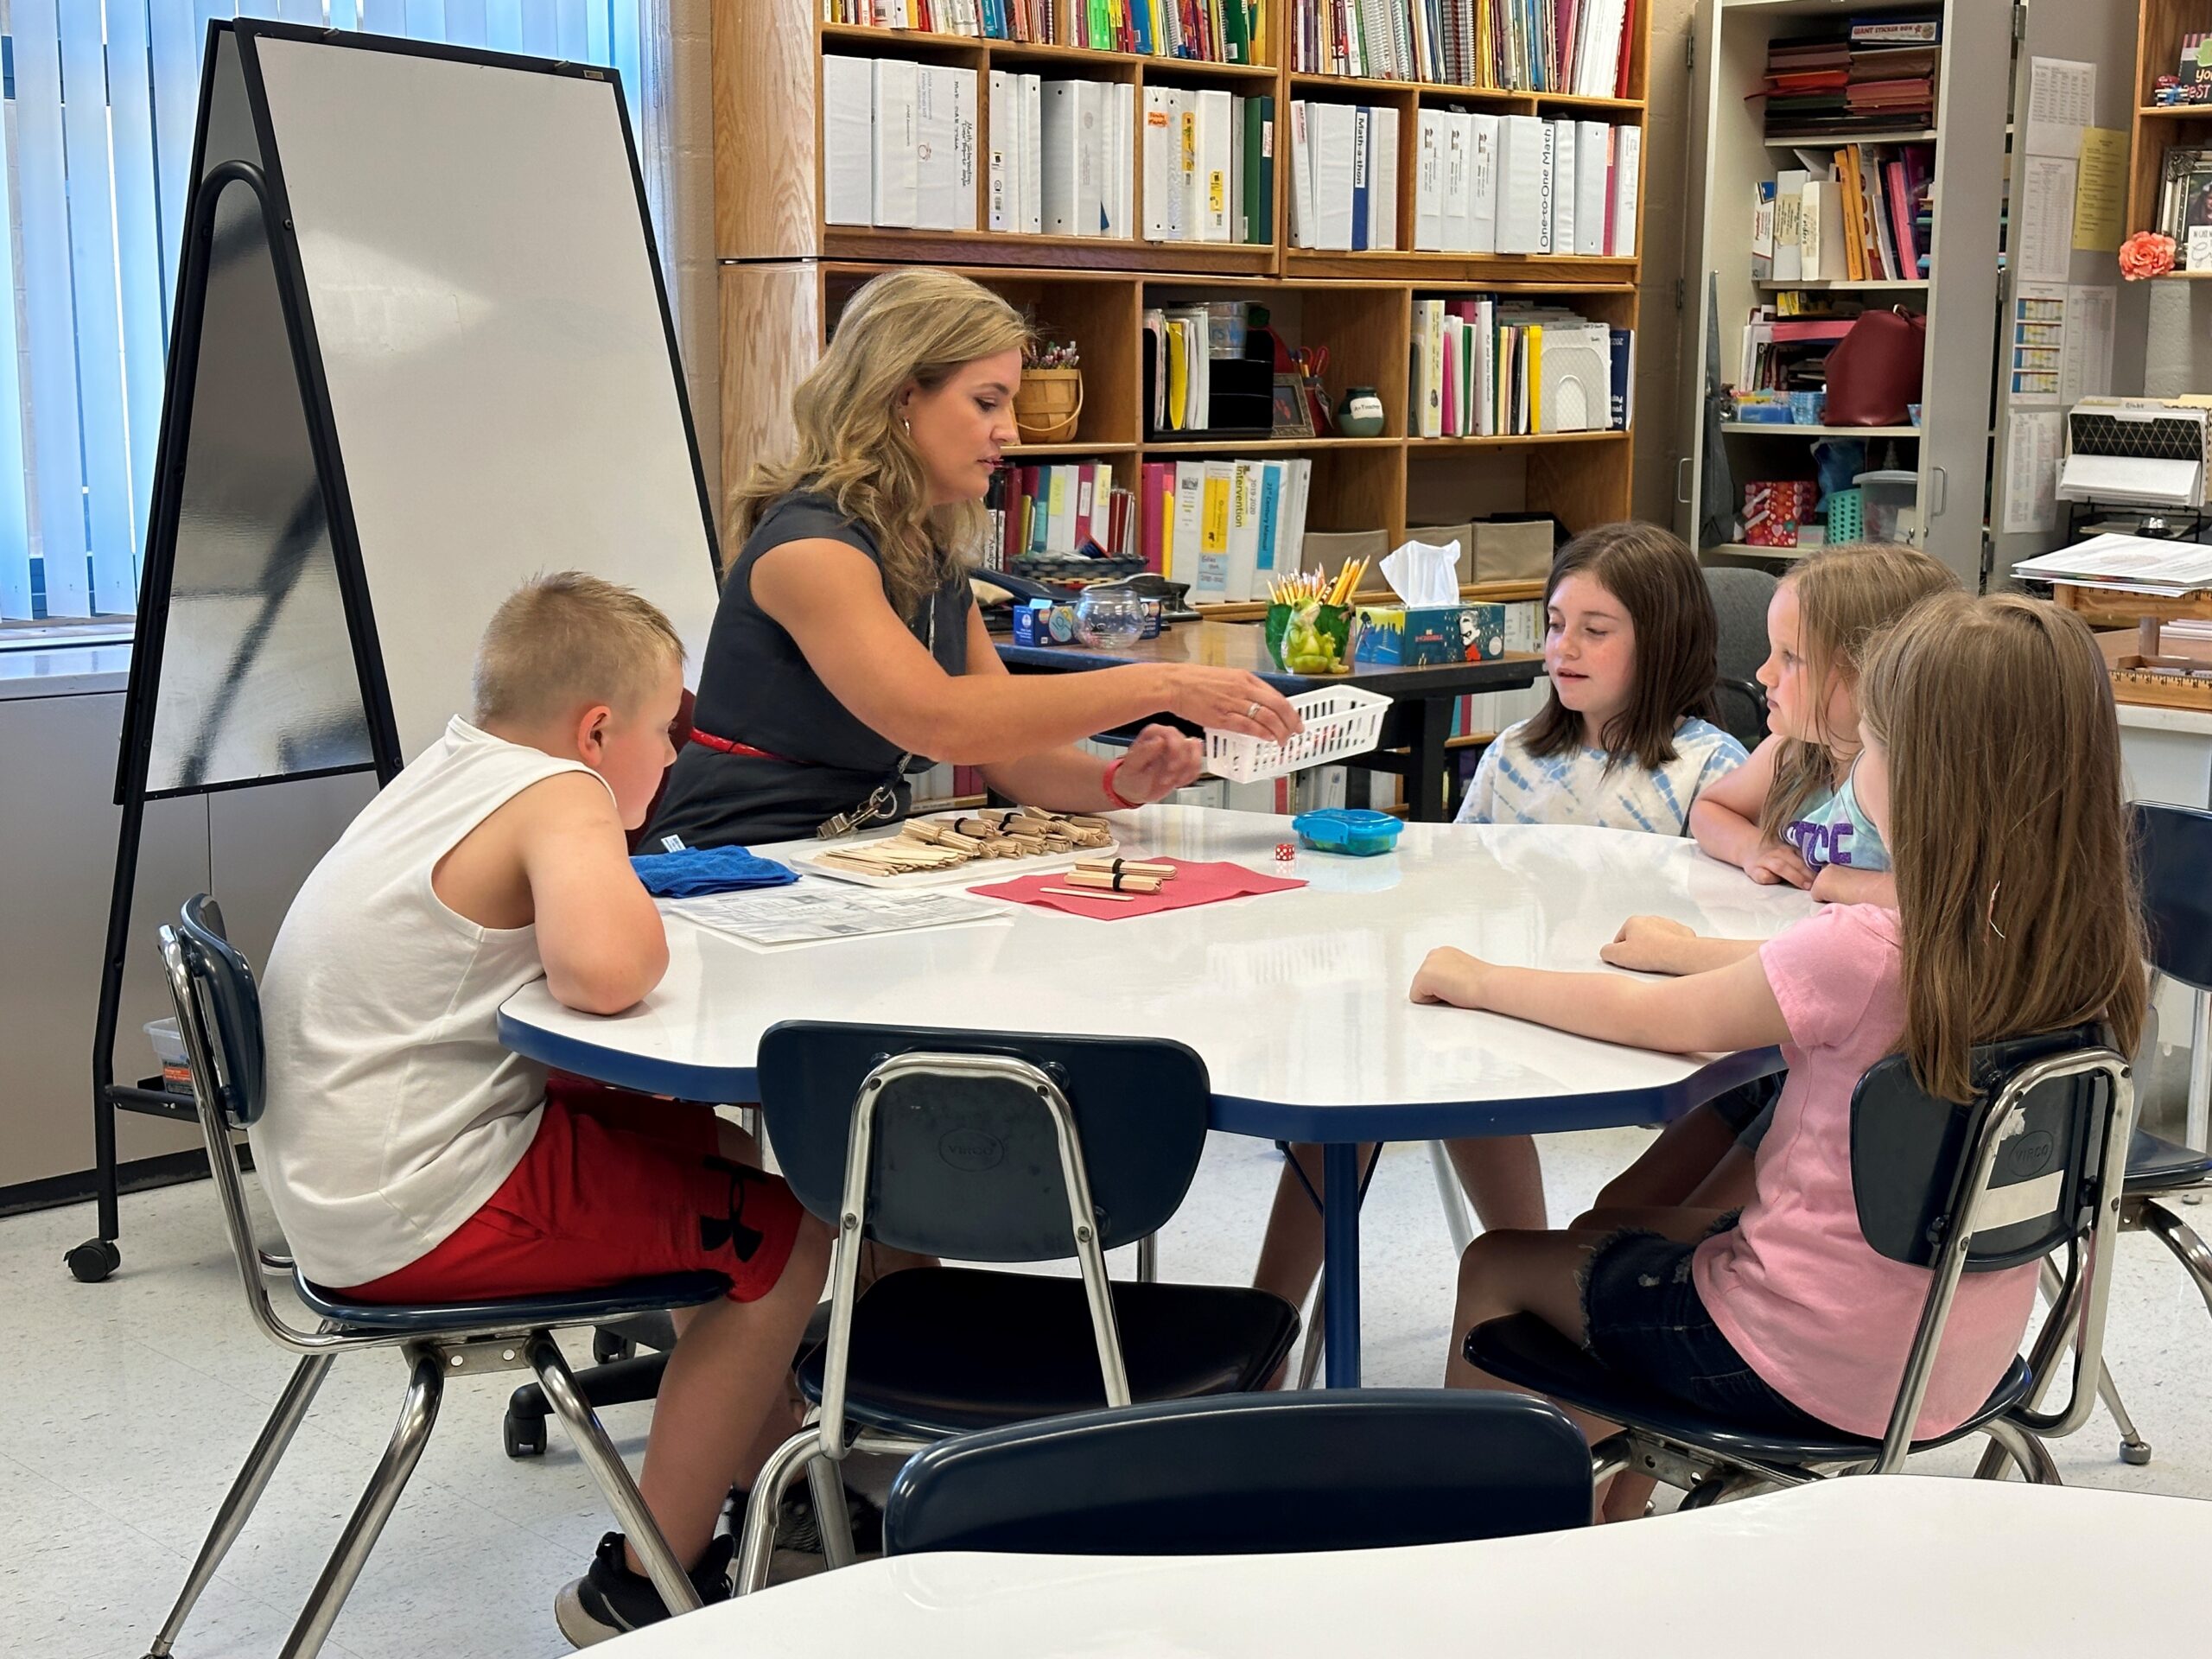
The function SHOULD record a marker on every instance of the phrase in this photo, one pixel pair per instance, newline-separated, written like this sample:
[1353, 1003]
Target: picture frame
[2185, 196]
[1293, 418]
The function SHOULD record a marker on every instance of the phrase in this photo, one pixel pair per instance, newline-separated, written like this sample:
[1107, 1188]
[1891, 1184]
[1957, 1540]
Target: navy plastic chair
[1251, 1474]
[996, 1147]
[2174, 856]
[219, 1015]
[2017, 1174]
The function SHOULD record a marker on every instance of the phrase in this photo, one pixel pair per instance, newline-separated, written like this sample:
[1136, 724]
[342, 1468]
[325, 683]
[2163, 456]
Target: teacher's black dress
[814, 757]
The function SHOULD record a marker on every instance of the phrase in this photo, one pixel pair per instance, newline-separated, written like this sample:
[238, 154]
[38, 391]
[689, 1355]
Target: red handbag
[1875, 370]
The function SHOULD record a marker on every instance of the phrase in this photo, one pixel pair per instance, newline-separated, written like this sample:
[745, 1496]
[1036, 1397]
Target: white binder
[847, 141]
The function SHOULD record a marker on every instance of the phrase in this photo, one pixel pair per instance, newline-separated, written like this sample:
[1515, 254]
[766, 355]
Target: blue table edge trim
[1232, 1114]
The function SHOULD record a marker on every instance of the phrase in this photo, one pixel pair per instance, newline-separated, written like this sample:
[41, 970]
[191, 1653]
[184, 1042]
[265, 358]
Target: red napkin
[1193, 884]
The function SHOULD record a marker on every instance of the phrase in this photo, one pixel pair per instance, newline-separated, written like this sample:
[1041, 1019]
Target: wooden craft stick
[1088, 892]
[1126, 867]
[1080, 878]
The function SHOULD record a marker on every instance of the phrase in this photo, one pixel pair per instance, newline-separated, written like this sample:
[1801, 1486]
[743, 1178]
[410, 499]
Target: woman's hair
[1847, 597]
[2008, 829]
[1669, 608]
[912, 327]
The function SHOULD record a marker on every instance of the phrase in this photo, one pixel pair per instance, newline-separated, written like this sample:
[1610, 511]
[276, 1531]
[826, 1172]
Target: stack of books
[1855, 214]
[1579, 179]
[898, 149]
[1061, 509]
[1488, 367]
[1208, 165]
[1578, 47]
[1344, 177]
[1206, 31]
[1876, 76]
[1225, 527]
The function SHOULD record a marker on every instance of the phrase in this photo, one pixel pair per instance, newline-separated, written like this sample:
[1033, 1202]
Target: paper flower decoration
[2146, 254]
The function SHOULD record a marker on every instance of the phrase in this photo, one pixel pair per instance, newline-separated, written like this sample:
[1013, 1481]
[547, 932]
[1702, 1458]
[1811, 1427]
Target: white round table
[1296, 1001]
[1843, 1569]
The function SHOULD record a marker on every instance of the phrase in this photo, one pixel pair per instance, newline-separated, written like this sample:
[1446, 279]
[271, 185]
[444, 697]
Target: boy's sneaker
[798, 1528]
[610, 1598]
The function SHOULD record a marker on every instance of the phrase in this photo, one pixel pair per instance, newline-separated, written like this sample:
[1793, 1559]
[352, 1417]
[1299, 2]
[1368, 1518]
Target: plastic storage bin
[1884, 498]
[169, 1049]
[1353, 830]
[1341, 720]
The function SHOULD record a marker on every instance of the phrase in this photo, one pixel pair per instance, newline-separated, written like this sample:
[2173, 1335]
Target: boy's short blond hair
[567, 640]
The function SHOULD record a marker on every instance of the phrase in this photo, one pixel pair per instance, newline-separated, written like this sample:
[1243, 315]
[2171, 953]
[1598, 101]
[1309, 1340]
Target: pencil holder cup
[1311, 639]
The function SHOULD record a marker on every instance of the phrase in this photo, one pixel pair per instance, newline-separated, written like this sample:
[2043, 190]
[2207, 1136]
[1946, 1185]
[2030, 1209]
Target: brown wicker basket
[1048, 405]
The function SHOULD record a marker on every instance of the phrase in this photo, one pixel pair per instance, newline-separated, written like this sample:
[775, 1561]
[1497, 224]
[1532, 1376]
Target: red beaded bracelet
[1106, 783]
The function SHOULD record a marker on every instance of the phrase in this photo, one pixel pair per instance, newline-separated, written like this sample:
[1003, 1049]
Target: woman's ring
[1251, 711]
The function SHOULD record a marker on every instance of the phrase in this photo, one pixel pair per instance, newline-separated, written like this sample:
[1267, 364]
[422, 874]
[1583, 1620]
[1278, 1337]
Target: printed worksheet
[811, 912]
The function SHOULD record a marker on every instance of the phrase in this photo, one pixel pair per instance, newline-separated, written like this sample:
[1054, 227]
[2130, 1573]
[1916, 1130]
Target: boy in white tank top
[410, 1158]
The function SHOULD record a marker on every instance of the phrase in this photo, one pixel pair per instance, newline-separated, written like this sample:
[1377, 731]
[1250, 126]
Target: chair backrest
[1251, 1474]
[2033, 1164]
[231, 1003]
[219, 1017]
[2174, 850]
[964, 1157]
[1741, 597]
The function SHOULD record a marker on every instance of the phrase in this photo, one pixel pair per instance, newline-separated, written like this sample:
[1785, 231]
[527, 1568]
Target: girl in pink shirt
[1992, 769]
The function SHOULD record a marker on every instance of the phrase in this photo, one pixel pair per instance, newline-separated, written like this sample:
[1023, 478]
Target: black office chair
[2023, 1172]
[1249, 1474]
[991, 1147]
[219, 1015]
[1741, 597]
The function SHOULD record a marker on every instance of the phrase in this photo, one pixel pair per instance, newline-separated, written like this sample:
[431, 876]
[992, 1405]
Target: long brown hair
[1656, 579]
[1846, 596]
[2008, 829]
[912, 327]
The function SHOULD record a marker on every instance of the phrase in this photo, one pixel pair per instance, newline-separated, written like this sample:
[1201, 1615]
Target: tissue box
[1044, 622]
[1420, 635]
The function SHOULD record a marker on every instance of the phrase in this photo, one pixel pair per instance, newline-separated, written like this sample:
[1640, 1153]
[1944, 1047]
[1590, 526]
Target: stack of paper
[2134, 564]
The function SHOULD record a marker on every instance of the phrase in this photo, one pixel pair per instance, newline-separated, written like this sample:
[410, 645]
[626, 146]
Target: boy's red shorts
[614, 1187]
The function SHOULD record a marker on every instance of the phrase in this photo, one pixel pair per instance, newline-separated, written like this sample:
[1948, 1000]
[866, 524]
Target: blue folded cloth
[697, 870]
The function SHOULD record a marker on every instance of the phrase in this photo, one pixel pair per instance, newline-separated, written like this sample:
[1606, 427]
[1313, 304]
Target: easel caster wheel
[526, 1436]
[607, 1347]
[2135, 1451]
[94, 1260]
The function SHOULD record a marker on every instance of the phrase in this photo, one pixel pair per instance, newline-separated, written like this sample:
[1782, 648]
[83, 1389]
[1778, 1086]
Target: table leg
[1425, 791]
[1340, 1262]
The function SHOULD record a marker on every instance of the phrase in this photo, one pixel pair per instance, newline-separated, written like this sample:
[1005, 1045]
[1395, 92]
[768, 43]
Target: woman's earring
[908, 424]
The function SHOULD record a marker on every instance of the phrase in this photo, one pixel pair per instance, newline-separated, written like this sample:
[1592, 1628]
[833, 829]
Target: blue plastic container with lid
[1352, 830]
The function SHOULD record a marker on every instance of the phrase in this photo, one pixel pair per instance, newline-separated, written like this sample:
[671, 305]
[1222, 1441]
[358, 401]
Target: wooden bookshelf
[786, 274]
[2156, 128]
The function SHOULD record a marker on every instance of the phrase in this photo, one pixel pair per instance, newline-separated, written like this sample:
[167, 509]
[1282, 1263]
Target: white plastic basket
[1341, 720]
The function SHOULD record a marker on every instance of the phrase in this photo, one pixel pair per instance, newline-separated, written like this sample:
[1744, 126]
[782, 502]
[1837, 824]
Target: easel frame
[98, 1257]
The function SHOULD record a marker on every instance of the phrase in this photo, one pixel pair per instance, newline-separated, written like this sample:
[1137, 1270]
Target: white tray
[978, 872]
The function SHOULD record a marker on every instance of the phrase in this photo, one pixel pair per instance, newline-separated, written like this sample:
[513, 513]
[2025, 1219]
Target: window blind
[101, 98]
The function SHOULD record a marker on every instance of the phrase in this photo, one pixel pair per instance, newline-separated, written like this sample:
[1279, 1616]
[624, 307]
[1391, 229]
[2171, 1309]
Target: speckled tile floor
[130, 1405]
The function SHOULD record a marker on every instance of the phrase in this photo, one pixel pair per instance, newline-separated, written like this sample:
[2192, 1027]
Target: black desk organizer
[1240, 400]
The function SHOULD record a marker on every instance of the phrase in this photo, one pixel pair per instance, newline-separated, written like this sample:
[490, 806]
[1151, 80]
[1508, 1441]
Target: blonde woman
[2004, 924]
[848, 652]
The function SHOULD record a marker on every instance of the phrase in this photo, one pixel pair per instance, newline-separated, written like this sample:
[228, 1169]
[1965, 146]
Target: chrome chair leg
[1148, 1259]
[245, 1491]
[1457, 1221]
[2027, 1451]
[825, 1481]
[757, 1543]
[677, 1593]
[1309, 1359]
[419, 1414]
[2133, 1448]
[2179, 1237]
